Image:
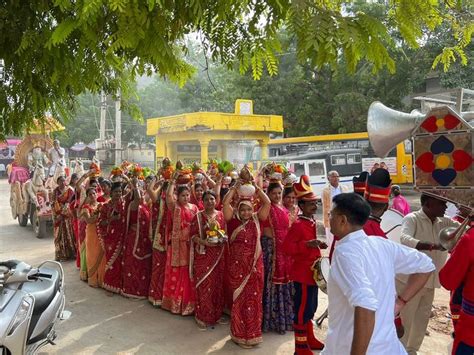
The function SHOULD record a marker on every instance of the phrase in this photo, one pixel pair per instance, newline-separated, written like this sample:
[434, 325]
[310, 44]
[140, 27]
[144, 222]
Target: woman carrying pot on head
[94, 249]
[278, 291]
[111, 227]
[289, 202]
[137, 248]
[156, 192]
[208, 262]
[178, 291]
[197, 192]
[64, 240]
[245, 266]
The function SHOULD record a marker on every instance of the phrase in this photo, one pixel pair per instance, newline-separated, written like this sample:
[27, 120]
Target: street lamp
[2, 68]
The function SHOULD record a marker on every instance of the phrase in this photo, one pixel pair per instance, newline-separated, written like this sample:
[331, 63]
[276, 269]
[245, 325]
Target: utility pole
[118, 131]
[103, 108]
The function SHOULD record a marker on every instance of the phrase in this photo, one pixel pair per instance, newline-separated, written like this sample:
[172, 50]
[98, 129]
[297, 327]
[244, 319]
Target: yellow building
[200, 136]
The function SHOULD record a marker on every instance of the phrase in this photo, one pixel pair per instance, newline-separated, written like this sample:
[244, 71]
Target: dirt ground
[103, 324]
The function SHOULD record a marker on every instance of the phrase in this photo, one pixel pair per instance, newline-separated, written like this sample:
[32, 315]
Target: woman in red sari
[137, 249]
[75, 216]
[111, 229]
[289, 202]
[208, 263]
[160, 210]
[278, 292]
[178, 291]
[245, 267]
[64, 241]
[197, 196]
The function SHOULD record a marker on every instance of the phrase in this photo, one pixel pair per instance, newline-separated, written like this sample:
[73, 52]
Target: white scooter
[31, 303]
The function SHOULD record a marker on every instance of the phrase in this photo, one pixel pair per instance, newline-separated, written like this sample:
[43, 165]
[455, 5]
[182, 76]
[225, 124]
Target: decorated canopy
[443, 154]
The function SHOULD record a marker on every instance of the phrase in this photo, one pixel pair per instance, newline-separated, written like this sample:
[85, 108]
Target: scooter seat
[43, 290]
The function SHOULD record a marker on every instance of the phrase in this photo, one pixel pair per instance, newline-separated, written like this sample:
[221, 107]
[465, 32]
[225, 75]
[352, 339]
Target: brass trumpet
[449, 236]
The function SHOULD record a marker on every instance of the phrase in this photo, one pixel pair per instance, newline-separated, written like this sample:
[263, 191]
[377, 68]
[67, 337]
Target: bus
[317, 164]
[398, 161]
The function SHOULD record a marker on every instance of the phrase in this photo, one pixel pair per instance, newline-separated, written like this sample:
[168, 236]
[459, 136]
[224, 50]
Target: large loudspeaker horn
[387, 127]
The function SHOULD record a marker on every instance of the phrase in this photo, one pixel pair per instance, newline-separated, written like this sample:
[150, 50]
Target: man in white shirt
[420, 230]
[57, 155]
[333, 189]
[361, 286]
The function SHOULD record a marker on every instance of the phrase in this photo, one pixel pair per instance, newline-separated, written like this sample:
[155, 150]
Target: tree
[55, 50]
[85, 125]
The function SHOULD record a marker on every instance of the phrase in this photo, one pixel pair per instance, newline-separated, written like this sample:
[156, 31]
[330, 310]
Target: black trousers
[306, 302]
[464, 349]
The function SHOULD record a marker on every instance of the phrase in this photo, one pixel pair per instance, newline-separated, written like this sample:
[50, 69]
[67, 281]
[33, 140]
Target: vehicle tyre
[43, 229]
[23, 219]
[13, 205]
[32, 209]
[36, 224]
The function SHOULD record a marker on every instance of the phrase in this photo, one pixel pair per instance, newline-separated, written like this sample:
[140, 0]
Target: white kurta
[418, 227]
[363, 275]
[57, 159]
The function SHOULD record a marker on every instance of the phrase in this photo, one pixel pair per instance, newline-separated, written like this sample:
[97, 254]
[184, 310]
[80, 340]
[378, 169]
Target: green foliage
[55, 50]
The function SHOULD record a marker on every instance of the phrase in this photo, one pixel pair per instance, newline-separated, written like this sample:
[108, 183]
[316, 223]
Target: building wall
[144, 157]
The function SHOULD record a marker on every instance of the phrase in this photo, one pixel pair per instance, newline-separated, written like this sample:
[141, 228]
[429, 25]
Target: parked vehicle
[29, 195]
[31, 304]
[317, 164]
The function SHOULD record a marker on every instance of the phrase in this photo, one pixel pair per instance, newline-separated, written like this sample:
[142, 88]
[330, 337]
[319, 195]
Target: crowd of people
[206, 243]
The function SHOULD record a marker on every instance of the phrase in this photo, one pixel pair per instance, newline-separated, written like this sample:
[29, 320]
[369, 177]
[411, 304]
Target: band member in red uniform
[459, 269]
[377, 193]
[455, 301]
[302, 245]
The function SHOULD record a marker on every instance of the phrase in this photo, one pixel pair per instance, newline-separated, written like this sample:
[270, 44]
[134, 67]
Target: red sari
[278, 310]
[75, 227]
[155, 293]
[137, 251]
[199, 204]
[246, 281]
[64, 240]
[111, 233]
[178, 291]
[208, 268]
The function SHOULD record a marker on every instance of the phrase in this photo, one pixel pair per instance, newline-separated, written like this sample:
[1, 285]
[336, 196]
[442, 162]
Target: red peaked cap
[378, 186]
[360, 183]
[303, 189]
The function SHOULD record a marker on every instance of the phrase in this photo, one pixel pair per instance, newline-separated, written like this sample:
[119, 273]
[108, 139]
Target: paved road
[102, 324]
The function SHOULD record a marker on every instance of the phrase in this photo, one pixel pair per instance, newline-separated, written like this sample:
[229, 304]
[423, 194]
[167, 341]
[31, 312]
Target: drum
[392, 224]
[321, 273]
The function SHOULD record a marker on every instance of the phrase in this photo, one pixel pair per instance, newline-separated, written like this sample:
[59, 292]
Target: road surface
[103, 324]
